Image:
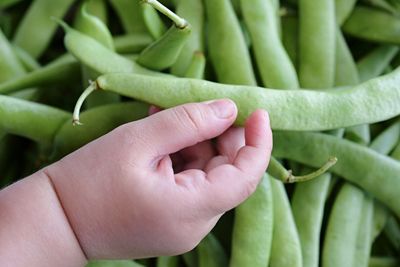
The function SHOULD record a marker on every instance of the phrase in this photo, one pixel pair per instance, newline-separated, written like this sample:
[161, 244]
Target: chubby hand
[157, 186]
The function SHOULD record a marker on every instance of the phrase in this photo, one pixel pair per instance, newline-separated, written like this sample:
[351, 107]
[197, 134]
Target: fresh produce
[326, 71]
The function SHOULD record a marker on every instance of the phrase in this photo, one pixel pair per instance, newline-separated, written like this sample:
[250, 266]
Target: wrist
[34, 229]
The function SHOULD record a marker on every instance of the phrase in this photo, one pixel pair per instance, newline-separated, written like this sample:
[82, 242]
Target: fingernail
[223, 108]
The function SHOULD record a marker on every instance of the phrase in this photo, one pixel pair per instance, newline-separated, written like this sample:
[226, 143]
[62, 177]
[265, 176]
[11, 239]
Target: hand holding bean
[123, 199]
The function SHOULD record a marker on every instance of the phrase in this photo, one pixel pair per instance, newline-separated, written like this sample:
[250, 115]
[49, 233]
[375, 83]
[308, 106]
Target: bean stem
[75, 117]
[179, 22]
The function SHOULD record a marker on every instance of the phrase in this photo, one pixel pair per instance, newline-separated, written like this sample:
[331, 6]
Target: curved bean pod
[375, 173]
[387, 140]
[130, 15]
[132, 43]
[253, 228]
[29, 63]
[211, 253]
[153, 22]
[10, 67]
[343, 9]
[197, 66]
[167, 261]
[303, 109]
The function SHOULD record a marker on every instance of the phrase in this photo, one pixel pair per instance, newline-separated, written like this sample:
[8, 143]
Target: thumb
[173, 129]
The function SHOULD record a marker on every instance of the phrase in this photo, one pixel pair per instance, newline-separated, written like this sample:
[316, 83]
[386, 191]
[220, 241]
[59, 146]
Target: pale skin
[148, 188]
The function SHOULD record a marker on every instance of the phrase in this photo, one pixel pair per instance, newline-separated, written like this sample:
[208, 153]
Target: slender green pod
[343, 9]
[10, 66]
[191, 258]
[164, 52]
[308, 204]
[167, 261]
[373, 25]
[286, 248]
[113, 263]
[36, 29]
[211, 253]
[132, 43]
[380, 217]
[359, 134]
[290, 37]
[305, 110]
[96, 122]
[62, 69]
[253, 228]
[374, 63]
[34, 121]
[193, 11]
[29, 63]
[274, 65]
[130, 15]
[396, 152]
[375, 173]
[341, 234]
[387, 140]
[364, 240]
[98, 8]
[197, 66]
[392, 231]
[152, 20]
[383, 262]
[226, 45]
[317, 43]
[99, 58]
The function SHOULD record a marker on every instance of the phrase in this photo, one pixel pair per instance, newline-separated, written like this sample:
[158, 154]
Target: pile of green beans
[326, 71]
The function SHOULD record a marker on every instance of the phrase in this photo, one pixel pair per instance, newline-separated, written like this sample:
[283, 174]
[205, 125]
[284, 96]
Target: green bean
[290, 38]
[193, 11]
[364, 240]
[253, 228]
[35, 31]
[211, 253]
[304, 110]
[317, 43]
[226, 44]
[132, 43]
[373, 64]
[197, 66]
[130, 15]
[96, 122]
[396, 152]
[93, 26]
[113, 263]
[375, 173]
[286, 248]
[392, 231]
[373, 25]
[167, 261]
[346, 72]
[164, 52]
[191, 258]
[155, 26]
[274, 65]
[343, 9]
[97, 57]
[10, 66]
[359, 134]
[307, 206]
[381, 215]
[59, 70]
[383, 262]
[387, 140]
[34, 121]
[98, 8]
[26, 59]
[341, 234]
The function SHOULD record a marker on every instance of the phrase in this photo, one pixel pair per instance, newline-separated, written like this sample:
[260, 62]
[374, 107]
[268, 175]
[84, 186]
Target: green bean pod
[153, 22]
[392, 231]
[387, 140]
[36, 29]
[317, 43]
[286, 248]
[64, 67]
[343, 9]
[380, 217]
[374, 63]
[164, 52]
[34, 121]
[10, 66]
[96, 122]
[211, 253]
[364, 239]
[274, 65]
[308, 204]
[375, 173]
[396, 152]
[373, 25]
[193, 11]
[253, 228]
[290, 37]
[132, 43]
[226, 45]
[304, 109]
[99, 58]
[29, 63]
[341, 234]
[197, 66]
[191, 258]
[130, 15]
[167, 261]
